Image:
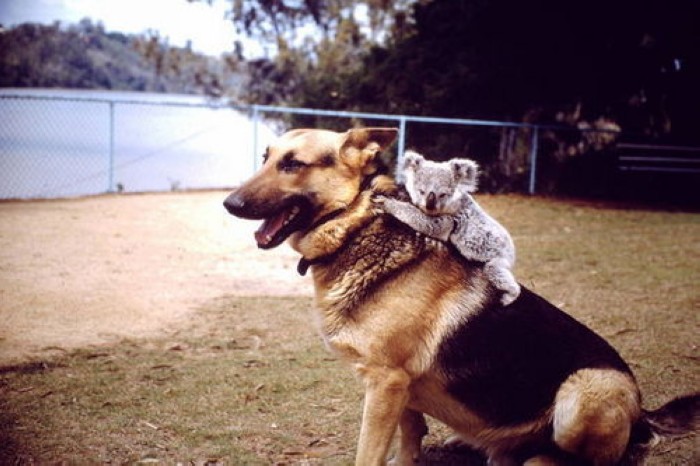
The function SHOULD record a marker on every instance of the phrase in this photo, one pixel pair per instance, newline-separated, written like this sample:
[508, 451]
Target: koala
[442, 207]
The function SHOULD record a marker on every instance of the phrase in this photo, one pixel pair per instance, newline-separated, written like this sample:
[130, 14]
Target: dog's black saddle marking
[507, 363]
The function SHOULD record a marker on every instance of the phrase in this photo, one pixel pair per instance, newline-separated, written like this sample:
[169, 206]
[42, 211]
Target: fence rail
[404, 119]
[54, 145]
[658, 158]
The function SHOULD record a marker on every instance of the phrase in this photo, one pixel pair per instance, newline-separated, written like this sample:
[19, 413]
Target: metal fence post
[110, 169]
[256, 117]
[402, 139]
[533, 159]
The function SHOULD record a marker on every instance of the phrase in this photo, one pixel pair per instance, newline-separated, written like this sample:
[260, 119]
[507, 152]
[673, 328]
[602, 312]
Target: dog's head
[307, 174]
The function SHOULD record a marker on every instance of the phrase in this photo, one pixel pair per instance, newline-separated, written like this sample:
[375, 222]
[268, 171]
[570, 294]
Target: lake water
[61, 148]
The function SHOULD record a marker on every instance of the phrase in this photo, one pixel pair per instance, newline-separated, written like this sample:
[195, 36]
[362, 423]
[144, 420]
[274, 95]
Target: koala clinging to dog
[441, 207]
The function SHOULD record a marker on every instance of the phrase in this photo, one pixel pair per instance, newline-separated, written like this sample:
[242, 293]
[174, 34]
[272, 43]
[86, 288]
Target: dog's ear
[465, 172]
[359, 147]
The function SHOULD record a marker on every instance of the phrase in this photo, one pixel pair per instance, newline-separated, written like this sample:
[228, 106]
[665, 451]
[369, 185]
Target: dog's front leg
[412, 429]
[386, 395]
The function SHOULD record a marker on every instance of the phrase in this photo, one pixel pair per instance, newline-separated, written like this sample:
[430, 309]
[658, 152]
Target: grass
[249, 382]
[214, 391]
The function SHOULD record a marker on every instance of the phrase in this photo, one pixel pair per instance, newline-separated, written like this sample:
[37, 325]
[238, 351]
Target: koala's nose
[430, 202]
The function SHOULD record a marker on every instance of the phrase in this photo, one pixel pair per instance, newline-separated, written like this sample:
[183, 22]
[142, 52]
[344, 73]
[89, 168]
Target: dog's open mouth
[275, 229]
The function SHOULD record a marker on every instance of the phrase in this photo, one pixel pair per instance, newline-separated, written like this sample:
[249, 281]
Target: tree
[311, 44]
[85, 56]
[625, 64]
[629, 63]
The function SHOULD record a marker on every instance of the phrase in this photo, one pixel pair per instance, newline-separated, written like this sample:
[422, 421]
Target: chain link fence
[73, 143]
[55, 146]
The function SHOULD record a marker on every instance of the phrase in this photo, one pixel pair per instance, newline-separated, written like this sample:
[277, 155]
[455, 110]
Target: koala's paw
[379, 199]
[379, 203]
[387, 204]
[510, 295]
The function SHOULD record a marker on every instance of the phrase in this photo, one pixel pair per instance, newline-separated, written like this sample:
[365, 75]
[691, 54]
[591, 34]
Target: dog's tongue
[269, 228]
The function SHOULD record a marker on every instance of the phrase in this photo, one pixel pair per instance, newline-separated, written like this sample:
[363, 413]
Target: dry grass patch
[248, 383]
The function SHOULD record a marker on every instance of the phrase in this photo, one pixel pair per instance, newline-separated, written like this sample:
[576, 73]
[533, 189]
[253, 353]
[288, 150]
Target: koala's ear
[359, 147]
[465, 172]
[412, 160]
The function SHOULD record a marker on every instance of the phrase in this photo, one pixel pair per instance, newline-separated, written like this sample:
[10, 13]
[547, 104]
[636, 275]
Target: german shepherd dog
[425, 329]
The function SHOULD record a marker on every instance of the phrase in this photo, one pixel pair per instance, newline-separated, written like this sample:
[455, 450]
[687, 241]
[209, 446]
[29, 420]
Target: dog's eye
[442, 195]
[289, 165]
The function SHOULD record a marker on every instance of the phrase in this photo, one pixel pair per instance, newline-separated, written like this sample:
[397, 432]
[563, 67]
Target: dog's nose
[234, 204]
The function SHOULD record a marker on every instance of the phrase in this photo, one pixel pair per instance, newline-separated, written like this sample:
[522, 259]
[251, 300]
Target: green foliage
[313, 70]
[545, 62]
[512, 60]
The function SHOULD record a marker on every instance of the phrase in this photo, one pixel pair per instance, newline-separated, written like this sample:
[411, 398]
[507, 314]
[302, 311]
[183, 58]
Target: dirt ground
[89, 271]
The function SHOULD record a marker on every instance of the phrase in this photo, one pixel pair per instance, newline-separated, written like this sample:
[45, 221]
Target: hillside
[85, 56]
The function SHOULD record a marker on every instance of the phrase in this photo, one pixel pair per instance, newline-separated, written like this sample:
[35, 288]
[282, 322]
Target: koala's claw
[386, 204]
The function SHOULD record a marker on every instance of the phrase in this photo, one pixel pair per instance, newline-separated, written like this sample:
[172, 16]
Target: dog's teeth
[291, 216]
[268, 238]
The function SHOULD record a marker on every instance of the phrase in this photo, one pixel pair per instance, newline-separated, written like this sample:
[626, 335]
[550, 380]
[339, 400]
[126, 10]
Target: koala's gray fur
[442, 208]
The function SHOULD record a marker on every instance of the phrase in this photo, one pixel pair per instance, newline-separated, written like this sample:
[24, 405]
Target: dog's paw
[454, 441]
[407, 460]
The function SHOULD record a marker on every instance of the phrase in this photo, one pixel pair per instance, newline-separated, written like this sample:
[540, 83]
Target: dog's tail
[676, 418]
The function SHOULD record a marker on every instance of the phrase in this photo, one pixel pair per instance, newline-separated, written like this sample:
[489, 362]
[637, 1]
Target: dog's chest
[370, 258]
[392, 303]
[365, 262]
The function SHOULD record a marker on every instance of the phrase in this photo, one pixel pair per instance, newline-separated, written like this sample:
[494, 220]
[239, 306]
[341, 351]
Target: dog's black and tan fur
[425, 330]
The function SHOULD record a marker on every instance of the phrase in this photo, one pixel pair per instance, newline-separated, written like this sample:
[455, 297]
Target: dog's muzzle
[280, 219]
[235, 205]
